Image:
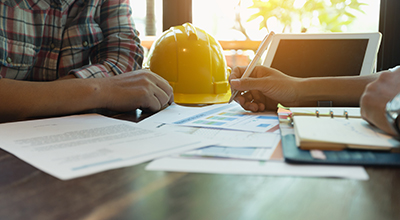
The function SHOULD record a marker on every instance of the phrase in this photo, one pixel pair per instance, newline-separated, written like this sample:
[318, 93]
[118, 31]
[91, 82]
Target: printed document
[234, 143]
[75, 146]
[227, 138]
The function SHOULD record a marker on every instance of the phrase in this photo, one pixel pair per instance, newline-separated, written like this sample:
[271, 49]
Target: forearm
[22, 99]
[342, 91]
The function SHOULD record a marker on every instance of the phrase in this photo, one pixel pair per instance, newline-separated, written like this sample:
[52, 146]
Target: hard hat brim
[180, 98]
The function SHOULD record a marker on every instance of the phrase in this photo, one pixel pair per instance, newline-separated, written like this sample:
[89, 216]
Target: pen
[263, 46]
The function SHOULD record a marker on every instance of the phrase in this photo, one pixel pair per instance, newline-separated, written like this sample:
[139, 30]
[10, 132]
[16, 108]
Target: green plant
[326, 15]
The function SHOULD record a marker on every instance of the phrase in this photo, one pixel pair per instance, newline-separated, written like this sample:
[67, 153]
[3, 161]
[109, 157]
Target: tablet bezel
[369, 62]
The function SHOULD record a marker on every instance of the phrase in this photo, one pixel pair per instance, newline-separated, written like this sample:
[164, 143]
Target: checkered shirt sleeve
[43, 40]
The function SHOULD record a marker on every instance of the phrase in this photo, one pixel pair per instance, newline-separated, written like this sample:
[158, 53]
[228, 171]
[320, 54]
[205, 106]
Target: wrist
[84, 94]
[309, 92]
[341, 91]
[97, 92]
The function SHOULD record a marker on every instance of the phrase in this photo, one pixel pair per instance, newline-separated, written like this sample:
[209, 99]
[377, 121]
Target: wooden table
[133, 193]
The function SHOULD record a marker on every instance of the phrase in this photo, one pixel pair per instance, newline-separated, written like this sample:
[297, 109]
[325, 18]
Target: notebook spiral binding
[317, 114]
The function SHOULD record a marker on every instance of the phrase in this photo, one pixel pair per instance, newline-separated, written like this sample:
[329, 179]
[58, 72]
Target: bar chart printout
[233, 117]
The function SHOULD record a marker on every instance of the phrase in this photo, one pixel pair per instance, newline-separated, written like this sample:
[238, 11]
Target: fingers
[158, 80]
[253, 99]
[164, 86]
[248, 101]
[249, 84]
[246, 104]
[163, 97]
[243, 97]
[162, 92]
[138, 89]
[258, 79]
[237, 72]
[374, 99]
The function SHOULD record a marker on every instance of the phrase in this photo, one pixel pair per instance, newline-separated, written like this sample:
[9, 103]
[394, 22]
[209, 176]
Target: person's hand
[141, 89]
[376, 95]
[263, 89]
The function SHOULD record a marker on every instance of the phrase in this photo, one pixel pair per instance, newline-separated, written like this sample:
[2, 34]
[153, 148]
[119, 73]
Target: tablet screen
[320, 57]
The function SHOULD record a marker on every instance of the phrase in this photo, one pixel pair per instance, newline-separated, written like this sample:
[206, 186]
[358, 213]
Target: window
[252, 19]
[219, 18]
[147, 16]
[389, 53]
[239, 20]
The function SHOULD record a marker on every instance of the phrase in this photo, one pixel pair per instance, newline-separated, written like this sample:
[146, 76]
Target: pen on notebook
[263, 46]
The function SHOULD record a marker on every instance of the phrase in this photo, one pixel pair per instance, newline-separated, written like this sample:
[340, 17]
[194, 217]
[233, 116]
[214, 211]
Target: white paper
[176, 112]
[222, 116]
[251, 167]
[231, 138]
[246, 167]
[75, 146]
[230, 143]
[354, 131]
[247, 153]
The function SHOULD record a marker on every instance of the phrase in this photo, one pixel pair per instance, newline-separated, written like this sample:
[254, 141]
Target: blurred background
[240, 25]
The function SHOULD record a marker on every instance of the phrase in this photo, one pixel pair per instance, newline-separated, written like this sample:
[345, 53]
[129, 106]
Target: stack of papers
[76, 146]
[213, 139]
[239, 134]
[248, 143]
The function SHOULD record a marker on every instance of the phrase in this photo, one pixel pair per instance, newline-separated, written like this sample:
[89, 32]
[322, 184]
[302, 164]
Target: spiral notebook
[338, 129]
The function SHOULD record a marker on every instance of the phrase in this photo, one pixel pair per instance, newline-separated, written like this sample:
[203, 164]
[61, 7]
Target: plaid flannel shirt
[43, 40]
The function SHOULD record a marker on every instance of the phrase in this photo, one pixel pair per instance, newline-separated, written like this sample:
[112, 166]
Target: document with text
[75, 146]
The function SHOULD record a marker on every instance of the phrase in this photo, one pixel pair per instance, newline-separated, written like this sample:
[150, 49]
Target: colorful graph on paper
[233, 117]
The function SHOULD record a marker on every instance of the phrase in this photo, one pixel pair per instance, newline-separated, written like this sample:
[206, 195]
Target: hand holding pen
[263, 46]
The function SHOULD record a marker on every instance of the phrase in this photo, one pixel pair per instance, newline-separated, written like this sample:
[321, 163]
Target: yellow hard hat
[192, 62]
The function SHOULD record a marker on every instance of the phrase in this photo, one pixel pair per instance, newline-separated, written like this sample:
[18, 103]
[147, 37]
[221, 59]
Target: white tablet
[331, 54]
